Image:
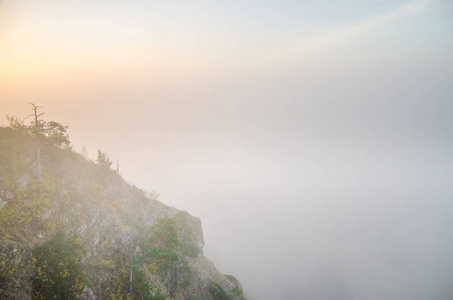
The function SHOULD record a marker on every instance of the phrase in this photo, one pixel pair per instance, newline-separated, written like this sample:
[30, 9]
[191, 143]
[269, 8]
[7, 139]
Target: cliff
[131, 245]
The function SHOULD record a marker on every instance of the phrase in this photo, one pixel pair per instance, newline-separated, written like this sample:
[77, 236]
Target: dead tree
[36, 115]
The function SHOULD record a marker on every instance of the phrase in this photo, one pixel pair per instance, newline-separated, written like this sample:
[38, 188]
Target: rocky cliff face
[113, 222]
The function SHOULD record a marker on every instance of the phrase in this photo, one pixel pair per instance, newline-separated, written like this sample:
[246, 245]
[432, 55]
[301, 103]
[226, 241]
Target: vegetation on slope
[57, 270]
[79, 228]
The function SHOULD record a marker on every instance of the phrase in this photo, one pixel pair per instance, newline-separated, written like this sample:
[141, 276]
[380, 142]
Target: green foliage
[17, 124]
[159, 243]
[217, 292]
[26, 206]
[190, 249]
[185, 284]
[160, 259]
[55, 133]
[127, 218]
[103, 160]
[58, 272]
[237, 290]
[193, 297]
[140, 285]
[51, 132]
[33, 208]
[153, 195]
[159, 255]
[12, 167]
[187, 245]
[164, 234]
[231, 278]
[116, 264]
[186, 275]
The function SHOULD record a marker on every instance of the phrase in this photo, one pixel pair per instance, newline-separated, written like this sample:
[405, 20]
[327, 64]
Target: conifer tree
[103, 159]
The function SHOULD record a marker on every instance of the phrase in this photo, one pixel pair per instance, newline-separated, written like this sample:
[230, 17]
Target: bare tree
[36, 115]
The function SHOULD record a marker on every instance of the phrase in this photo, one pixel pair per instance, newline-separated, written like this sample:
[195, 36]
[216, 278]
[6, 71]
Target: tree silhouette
[37, 124]
[50, 132]
[103, 160]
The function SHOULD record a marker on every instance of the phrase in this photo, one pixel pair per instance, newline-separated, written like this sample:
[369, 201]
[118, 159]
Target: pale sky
[312, 138]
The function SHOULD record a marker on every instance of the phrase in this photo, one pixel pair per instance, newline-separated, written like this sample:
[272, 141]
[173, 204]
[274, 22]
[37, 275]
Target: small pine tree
[103, 160]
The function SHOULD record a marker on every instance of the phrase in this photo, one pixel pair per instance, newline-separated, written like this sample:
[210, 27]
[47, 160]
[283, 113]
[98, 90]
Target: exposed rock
[87, 294]
[82, 199]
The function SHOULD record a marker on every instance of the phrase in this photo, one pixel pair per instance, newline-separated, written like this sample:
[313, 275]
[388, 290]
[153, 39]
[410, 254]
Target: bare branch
[34, 106]
[36, 115]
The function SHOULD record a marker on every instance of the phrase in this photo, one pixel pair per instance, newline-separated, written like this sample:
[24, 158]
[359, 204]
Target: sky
[312, 138]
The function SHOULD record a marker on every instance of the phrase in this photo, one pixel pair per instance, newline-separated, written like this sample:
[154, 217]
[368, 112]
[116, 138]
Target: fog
[312, 139]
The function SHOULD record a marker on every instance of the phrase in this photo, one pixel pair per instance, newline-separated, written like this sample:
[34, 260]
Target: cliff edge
[131, 245]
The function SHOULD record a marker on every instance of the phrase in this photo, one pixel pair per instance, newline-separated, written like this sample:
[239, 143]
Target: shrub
[190, 249]
[187, 245]
[185, 274]
[160, 260]
[58, 272]
[142, 290]
[159, 243]
[164, 233]
[231, 278]
[159, 255]
[217, 292]
[51, 132]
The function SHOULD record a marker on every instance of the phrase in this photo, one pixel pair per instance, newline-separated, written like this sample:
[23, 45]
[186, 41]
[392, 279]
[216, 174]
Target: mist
[315, 148]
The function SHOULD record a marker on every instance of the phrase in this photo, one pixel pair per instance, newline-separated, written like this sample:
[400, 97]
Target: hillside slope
[122, 232]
